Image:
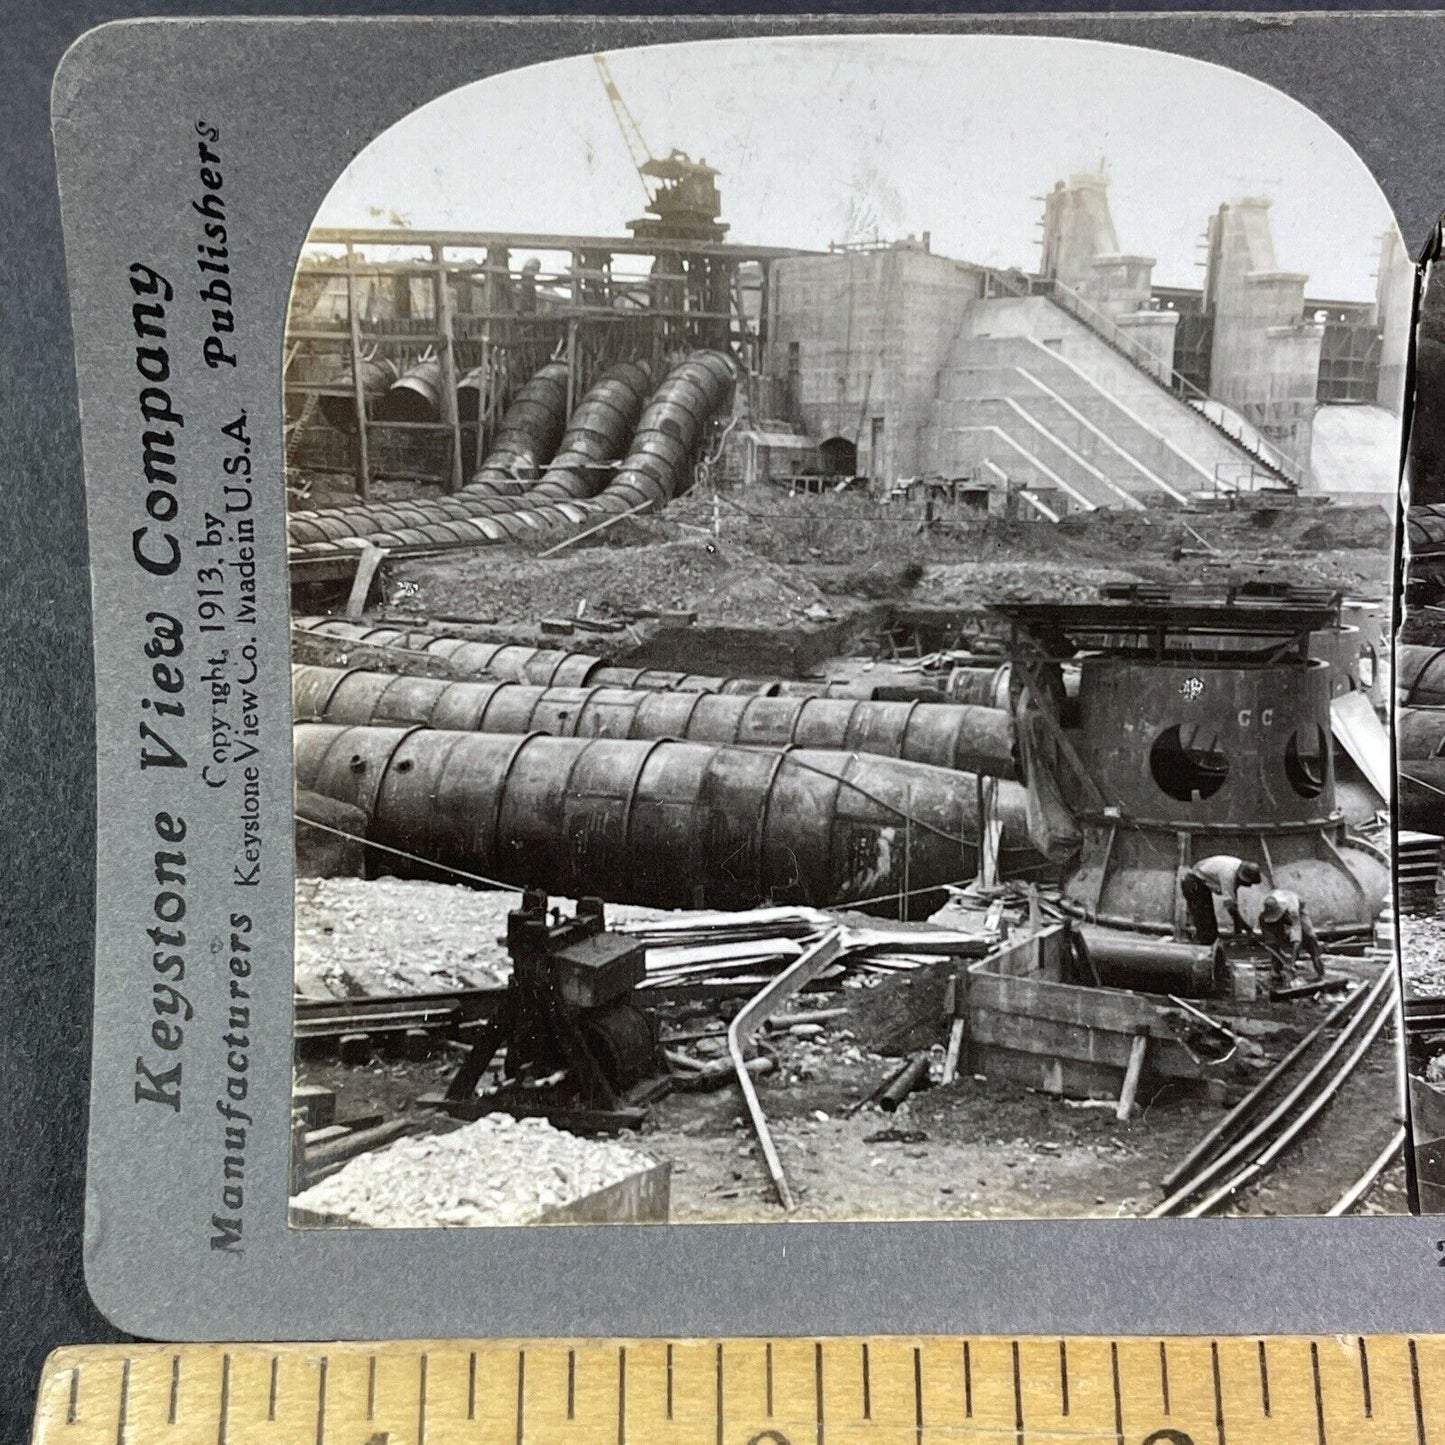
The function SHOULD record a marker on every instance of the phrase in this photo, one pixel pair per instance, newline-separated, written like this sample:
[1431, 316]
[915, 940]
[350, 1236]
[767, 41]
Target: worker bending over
[1220, 876]
[1285, 927]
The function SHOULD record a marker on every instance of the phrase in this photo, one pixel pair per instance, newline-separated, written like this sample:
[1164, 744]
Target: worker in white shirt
[1285, 927]
[1220, 876]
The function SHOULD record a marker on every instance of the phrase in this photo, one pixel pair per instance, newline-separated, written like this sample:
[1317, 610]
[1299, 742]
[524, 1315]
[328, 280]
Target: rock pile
[496, 1171]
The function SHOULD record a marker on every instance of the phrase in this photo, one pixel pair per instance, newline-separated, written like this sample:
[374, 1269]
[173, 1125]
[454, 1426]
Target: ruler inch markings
[904, 1390]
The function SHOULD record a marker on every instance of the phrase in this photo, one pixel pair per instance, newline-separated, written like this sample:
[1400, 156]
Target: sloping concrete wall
[896, 352]
[1020, 351]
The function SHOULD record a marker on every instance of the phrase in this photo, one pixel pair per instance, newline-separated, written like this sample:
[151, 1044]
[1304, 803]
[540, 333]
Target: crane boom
[631, 134]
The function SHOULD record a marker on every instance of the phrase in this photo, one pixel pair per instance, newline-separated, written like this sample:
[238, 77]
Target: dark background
[1427, 417]
[47, 794]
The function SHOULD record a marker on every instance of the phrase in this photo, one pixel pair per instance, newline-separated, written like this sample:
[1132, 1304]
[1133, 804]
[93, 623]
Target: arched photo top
[802, 479]
[1213, 231]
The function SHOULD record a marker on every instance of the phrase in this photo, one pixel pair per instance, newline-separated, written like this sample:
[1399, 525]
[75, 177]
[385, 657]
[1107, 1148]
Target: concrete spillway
[664, 824]
[967, 739]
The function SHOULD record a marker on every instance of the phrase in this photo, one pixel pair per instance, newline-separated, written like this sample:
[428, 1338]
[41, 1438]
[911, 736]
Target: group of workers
[1284, 924]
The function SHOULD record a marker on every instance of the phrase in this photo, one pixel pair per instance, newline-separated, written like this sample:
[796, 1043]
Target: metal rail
[1263, 1143]
[1291, 1131]
[750, 1018]
[1365, 1182]
[1234, 1121]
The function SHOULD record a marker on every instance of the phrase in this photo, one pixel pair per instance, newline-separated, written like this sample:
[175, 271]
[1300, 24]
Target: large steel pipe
[656, 469]
[531, 428]
[1419, 732]
[1419, 675]
[526, 434]
[549, 667]
[656, 466]
[508, 662]
[663, 824]
[377, 374]
[966, 739]
[598, 432]
[1153, 965]
[415, 395]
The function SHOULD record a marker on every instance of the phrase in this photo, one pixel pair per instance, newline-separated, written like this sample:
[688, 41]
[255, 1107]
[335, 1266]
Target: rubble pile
[357, 938]
[721, 582]
[497, 1171]
[1422, 954]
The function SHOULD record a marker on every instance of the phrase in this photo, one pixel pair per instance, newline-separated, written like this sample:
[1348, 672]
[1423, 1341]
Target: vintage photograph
[841, 645]
[1420, 746]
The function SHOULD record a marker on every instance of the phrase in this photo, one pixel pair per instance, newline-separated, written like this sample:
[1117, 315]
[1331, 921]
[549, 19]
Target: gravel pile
[357, 937]
[1422, 954]
[497, 1171]
[373, 938]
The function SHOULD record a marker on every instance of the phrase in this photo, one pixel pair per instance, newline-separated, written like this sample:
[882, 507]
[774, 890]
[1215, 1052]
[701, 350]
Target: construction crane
[682, 194]
[627, 124]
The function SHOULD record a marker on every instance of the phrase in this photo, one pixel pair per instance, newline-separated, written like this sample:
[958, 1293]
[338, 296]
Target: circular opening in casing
[1187, 764]
[1307, 760]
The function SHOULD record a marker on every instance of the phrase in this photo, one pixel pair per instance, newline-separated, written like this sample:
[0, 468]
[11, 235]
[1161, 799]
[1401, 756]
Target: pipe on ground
[526, 439]
[1419, 733]
[963, 739]
[510, 662]
[663, 824]
[1150, 964]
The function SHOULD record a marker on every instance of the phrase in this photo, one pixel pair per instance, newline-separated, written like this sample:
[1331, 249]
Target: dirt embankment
[765, 559]
[718, 580]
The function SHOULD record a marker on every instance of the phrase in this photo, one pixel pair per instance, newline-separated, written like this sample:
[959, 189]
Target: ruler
[1280, 1390]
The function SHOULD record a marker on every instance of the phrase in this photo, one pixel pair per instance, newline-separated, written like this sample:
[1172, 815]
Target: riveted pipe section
[415, 395]
[657, 466]
[525, 432]
[1419, 675]
[598, 432]
[488, 660]
[963, 739]
[982, 686]
[377, 374]
[664, 824]
[1420, 732]
[1153, 965]
[531, 428]
[542, 666]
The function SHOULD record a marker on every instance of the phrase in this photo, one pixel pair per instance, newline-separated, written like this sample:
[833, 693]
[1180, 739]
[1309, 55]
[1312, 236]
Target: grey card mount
[764, 643]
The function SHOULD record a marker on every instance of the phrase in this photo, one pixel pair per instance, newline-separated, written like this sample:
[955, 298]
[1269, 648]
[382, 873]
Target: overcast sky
[843, 138]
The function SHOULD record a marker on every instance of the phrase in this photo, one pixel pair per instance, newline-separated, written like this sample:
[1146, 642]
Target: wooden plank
[1059, 1039]
[955, 1045]
[449, 366]
[642, 1198]
[1132, 1075]
[353, 322]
